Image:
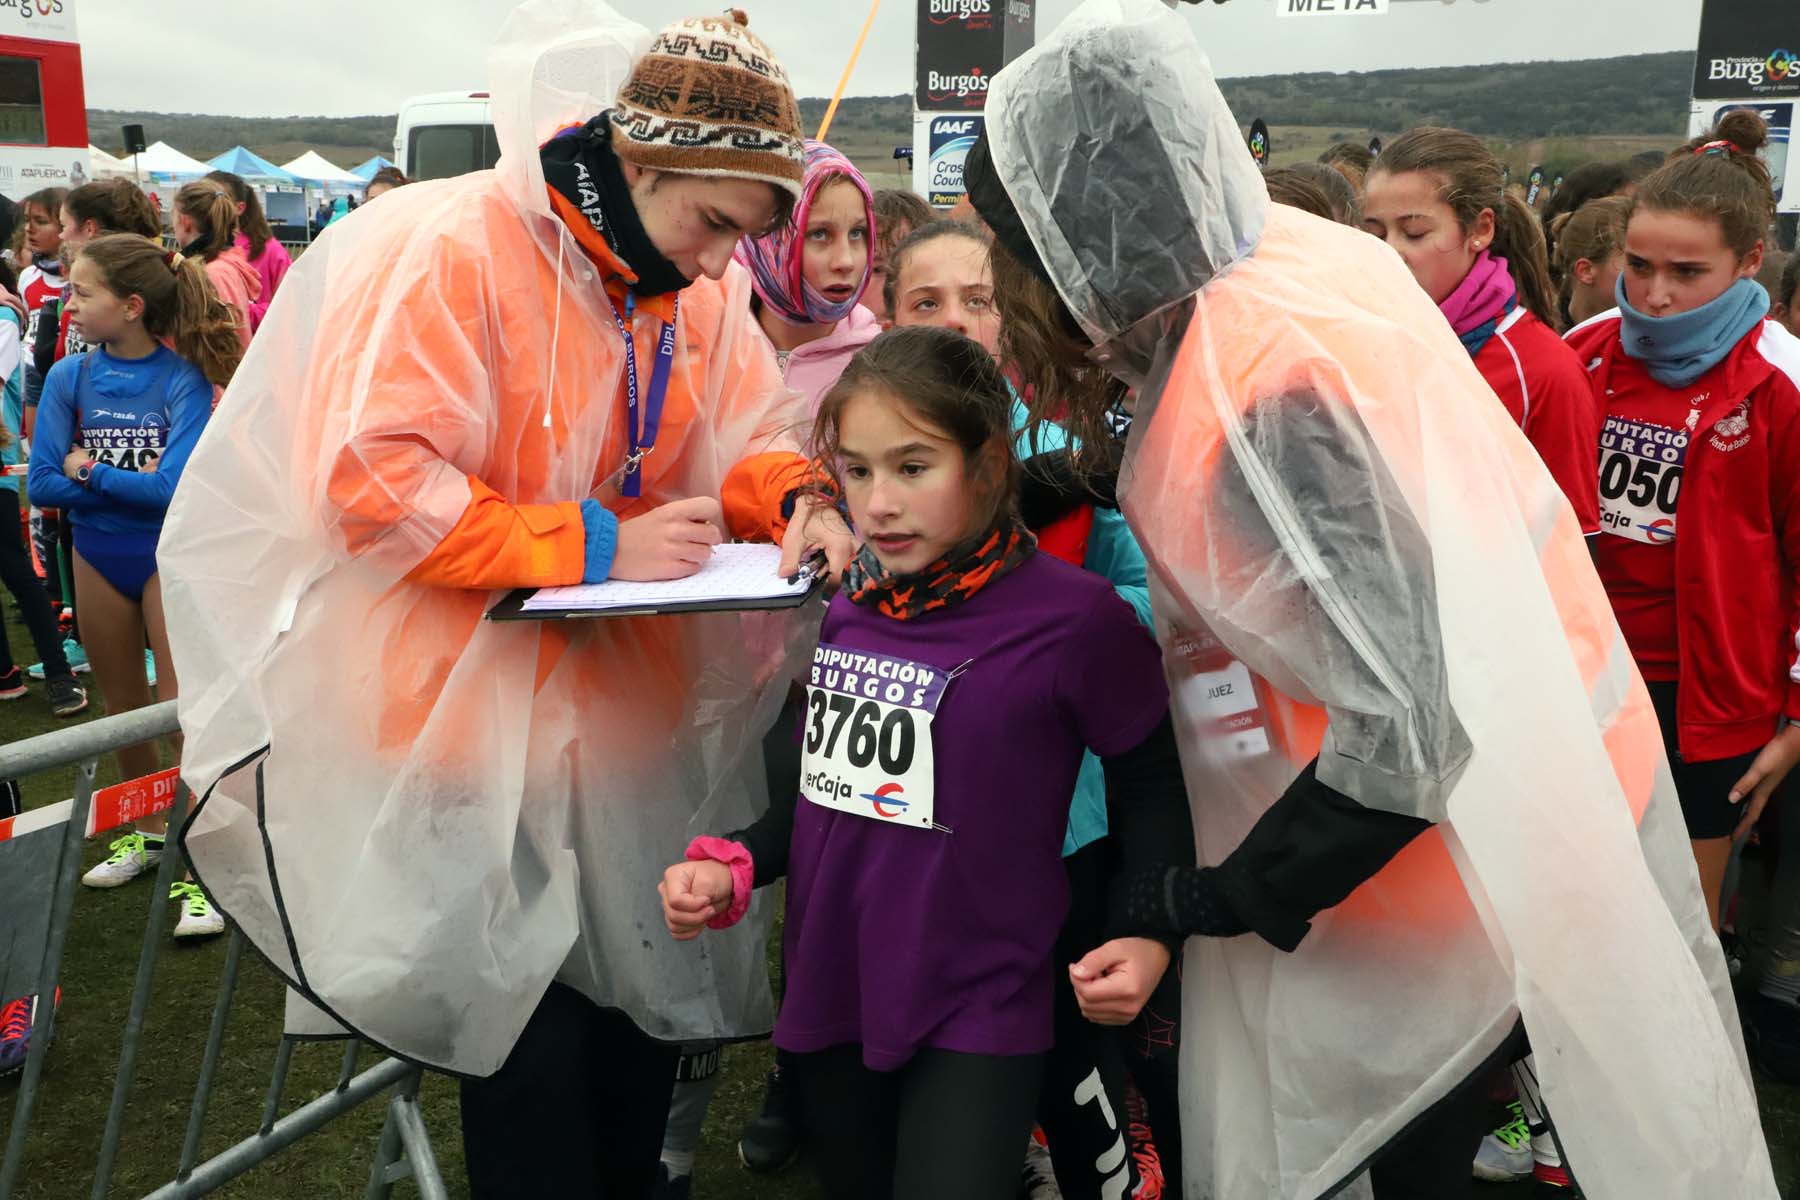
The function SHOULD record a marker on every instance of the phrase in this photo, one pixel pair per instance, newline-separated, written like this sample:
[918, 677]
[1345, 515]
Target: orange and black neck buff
[949, 581]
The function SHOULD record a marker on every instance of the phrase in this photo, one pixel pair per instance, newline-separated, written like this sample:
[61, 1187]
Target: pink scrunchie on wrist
[743, 874]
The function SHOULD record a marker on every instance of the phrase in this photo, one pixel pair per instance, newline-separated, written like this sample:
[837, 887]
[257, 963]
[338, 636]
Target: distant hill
[1644, 95]
[1634, 94]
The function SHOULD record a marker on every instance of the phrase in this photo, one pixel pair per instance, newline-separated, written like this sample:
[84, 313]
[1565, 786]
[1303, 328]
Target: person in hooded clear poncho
[1428, 786]
[445, 831]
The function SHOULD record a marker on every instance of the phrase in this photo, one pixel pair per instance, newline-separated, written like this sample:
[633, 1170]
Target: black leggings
[34, 603]
[945, 1126]
[1082, 1105]
[577, 1109]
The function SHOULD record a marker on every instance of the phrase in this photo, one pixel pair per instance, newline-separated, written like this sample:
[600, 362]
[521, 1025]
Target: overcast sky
[345, 57]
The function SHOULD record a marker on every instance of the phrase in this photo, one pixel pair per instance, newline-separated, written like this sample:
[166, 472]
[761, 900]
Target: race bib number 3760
[867, 744]
[1640, 479]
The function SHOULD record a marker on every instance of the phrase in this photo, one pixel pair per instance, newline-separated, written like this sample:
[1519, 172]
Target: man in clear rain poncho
[543, 374]
[1427, 781]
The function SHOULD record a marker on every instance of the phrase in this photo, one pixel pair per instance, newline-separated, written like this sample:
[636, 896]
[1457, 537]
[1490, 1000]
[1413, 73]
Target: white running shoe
[1505, 1154]
[198, 917]
[131, 857]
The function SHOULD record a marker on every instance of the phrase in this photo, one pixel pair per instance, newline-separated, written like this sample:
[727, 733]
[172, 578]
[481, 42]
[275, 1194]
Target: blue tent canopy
[252, 168]
[367, 170]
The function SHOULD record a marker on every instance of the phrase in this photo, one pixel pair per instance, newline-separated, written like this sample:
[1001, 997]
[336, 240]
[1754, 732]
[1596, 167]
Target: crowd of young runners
[1265, 736]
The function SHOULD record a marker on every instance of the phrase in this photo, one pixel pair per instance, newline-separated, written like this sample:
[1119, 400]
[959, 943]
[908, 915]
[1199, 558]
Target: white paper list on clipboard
[736, 571]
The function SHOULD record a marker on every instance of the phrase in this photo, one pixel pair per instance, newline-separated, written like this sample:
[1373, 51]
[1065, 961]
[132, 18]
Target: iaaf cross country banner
[941, 144]
[961, 44]
[1784, 165]
[1747, 49]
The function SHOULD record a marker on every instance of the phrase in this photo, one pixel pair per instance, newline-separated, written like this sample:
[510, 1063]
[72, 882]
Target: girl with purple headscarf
[810, 275]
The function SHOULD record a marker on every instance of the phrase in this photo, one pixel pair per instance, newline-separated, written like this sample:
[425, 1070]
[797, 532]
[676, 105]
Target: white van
[445, 134]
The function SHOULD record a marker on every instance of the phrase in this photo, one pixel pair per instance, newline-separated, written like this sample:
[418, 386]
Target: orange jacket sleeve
[756, 491]
[407, 425]
[501, 545]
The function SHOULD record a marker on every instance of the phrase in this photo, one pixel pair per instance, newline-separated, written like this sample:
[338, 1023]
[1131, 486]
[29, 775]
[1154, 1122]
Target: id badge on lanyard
[867, 745]
[1218, 692]
[640, 442]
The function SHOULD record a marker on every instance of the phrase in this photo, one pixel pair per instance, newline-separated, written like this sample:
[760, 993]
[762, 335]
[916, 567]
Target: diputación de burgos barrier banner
[1784, 165]
[961, 45]
[1749, 50]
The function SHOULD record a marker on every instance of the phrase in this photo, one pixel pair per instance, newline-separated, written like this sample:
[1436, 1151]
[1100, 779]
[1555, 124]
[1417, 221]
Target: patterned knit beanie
[710, 99]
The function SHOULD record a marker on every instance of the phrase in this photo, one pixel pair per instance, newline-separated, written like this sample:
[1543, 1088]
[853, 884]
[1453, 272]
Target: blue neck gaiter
[1680, 349]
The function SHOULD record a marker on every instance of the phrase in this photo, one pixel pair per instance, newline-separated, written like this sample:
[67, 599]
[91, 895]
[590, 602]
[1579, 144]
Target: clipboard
[738, 578]
[511, 608]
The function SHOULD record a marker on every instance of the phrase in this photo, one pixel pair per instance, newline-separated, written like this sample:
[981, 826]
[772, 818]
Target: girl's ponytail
[203, 327]
[1719, 175]
[214, 214]
[1519, 239]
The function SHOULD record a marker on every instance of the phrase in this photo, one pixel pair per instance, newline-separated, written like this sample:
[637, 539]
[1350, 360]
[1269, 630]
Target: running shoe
[198, 917]
[72, 651]
[1037, 1178]
[12, 685]
[132, 855]
[771, 1140]
[1505, 1154]
[150, 667]
[66, 697]
[16, 1020]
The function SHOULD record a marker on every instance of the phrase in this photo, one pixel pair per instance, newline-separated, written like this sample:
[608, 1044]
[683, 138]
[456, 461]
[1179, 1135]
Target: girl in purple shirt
[958, 679]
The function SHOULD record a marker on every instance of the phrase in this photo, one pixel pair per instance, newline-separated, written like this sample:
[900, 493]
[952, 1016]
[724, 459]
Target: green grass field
[97, 979]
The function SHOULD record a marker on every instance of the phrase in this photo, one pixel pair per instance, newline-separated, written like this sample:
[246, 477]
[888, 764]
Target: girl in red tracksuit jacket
[1700, 482]
[1437, 197]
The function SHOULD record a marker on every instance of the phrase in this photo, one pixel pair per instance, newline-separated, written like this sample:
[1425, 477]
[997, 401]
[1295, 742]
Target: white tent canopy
[102, 165]
[164, 159]
[314, 168]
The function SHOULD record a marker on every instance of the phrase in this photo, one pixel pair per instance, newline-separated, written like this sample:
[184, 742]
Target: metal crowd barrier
[404, 1150]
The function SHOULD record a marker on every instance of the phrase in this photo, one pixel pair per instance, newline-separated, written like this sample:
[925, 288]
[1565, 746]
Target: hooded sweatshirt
[811, 369]
[238, 285]
[271, 268]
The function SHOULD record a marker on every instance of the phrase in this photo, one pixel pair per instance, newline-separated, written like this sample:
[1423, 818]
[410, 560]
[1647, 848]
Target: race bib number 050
[1640, 479]
[867, 749]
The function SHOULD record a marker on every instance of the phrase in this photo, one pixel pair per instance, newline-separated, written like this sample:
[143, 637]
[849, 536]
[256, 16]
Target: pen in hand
[815, 564]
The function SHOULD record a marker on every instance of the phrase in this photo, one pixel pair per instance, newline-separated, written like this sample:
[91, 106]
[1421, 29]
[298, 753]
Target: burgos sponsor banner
[1747, 48]
[48, 20]
[941, 144]
[961, 44]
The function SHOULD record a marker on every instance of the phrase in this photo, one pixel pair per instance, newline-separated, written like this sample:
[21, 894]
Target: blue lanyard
[631, 482]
